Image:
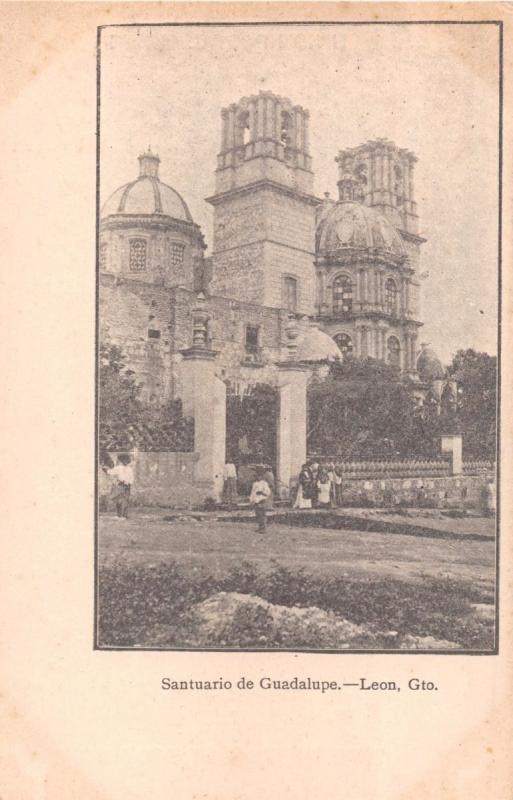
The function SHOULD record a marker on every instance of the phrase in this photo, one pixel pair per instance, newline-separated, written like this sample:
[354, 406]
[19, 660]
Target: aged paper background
[78, 723]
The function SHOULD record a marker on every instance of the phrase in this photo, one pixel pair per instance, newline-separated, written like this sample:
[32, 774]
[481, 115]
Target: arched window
[342, 295]
[345, 343]
[243, 125]
[286, 128]
[391, 297]
[137, 255]
[394, 351]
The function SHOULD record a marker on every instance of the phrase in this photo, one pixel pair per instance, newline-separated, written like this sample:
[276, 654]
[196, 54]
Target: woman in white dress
[304, 489]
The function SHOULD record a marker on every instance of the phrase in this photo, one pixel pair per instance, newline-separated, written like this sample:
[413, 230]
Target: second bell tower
[264, 207]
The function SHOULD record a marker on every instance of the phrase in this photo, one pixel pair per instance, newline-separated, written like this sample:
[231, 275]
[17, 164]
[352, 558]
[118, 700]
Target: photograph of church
[296, 443]
[293, 279]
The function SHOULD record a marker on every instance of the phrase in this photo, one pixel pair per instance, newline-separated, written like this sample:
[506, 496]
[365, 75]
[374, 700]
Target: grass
[135, 599]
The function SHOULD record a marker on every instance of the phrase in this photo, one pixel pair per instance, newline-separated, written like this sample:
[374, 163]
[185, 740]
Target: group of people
[319, 486]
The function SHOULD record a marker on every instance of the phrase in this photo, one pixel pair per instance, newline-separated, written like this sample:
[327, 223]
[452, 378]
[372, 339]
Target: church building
[292, 278]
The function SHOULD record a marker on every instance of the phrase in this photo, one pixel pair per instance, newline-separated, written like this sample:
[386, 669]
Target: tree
[126, 421]
[476, 374]
[363, 409]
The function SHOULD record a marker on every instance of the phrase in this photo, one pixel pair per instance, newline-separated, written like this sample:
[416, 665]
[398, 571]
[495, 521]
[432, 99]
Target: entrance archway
[251, 430]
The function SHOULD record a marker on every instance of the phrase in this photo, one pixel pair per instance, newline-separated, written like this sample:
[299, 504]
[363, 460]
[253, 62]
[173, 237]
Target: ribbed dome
[429, 365]
[352, 225]
[315, 345]
[147, 195]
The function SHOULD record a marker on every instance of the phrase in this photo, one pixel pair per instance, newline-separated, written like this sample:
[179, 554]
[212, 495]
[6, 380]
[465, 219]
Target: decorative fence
[379, 468]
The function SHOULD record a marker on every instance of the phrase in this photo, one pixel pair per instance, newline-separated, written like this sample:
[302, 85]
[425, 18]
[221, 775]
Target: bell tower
[264, 206]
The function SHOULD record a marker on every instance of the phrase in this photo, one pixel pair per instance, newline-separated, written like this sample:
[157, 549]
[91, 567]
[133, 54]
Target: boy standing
[260, 492]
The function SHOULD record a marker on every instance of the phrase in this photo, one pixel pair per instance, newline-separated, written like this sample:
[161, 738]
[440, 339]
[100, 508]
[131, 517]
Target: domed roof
[429, 365]
[349, 224]
[315, 345]
[147, 195]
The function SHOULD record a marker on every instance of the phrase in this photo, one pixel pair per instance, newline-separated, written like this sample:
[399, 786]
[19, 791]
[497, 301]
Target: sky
[432, 89]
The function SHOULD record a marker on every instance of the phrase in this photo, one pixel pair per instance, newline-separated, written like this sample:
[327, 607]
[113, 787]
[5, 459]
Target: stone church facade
[292, 277]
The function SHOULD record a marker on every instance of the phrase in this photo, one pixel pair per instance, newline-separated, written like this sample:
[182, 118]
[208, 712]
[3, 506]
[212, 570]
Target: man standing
[124, 475]
[230, 484]
[260, 492]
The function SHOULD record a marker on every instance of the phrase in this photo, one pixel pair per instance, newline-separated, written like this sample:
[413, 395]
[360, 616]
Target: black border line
[282, 23]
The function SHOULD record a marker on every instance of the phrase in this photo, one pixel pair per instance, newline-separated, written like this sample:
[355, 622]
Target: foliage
[476, 374]
[363, 409]
[134, 600]
[251, 425]
[126, 421]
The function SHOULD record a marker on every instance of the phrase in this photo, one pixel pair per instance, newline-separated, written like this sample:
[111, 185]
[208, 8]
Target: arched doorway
[251, 430]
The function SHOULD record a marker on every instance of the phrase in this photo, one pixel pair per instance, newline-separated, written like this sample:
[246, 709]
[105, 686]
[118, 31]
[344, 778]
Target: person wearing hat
[259, 498]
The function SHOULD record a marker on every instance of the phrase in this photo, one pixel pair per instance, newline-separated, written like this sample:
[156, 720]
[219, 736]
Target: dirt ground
[217, 546]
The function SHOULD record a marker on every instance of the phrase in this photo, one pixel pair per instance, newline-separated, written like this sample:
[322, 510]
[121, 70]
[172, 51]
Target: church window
[137, 255]
[361, 172]
[103, 256]
[290, 294]
[391, 297]
[252, 339]
[153, 334]
[345, 343]
[342, 295]
[243, 125]
[286, 128]
[394, 351]
[176, 253]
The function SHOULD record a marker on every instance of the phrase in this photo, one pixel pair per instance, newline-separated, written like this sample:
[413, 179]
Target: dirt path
[218, 546]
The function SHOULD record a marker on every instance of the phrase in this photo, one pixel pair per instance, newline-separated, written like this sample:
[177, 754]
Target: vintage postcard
[274, 549]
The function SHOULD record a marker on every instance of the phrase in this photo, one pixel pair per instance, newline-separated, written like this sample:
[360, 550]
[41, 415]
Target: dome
[349, 224]
[315, 345]
[147, 195]
[429, 365]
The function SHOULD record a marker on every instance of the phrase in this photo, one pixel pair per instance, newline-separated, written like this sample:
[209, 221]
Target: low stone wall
[437, 492]
[160, 479]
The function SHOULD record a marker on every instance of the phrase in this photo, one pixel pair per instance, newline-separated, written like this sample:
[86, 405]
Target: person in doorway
[230, 484]
[323, 488]
[124, 475]
[260, 492]
[304, 488]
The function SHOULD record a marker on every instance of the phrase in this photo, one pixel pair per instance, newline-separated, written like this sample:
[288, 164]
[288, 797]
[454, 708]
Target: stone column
[358, 342]
[260, 117]
[269, 133]
[453, 444]
[224, 135]
[204, 399]
[231, 127]
[306, 133]
[252, 121]
[414, 351]
[407, 351]
[357, 291]
[291, 428]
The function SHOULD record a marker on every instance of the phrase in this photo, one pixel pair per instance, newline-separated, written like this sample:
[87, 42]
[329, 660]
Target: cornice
[263, 184]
